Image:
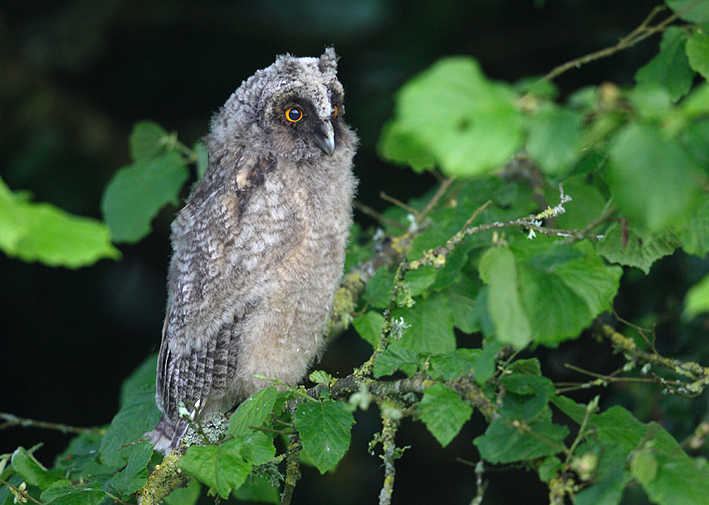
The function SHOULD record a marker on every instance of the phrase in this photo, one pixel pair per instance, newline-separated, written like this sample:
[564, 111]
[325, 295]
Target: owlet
[259, 247]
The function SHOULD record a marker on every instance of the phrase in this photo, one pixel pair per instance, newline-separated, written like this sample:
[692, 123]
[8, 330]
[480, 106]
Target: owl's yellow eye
[334, 114]
[294, 114]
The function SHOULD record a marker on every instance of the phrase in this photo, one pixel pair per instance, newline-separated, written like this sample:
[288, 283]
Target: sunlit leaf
[137, 192]
[452, 113]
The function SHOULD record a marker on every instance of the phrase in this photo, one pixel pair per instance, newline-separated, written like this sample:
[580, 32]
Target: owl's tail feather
[166, 435]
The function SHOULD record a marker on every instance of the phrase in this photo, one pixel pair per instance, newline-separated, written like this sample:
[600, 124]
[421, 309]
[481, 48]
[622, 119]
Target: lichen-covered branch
[292, 468]
[697, 374]
[390, 453]
[165, 478]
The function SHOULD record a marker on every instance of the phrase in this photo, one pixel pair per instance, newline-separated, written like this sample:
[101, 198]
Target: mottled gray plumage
[258, 249]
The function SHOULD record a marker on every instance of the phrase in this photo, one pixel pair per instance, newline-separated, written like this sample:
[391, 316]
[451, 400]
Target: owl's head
[292, 108]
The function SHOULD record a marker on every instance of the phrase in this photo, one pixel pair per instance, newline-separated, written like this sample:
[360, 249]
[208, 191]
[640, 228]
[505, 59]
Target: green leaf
[643, 465]
[254, 411]
[12, 221]
[187, 495]
[454, 114]
[320, 377]
[670, 68]
[653, 179]
[486, 365]
[138, 416]
[221, 467]
[526, 397]
[545, 290]
[667, 474]
[461, 297]
[698, 52]
[79, 460]
[257, 488]
[395, 358]
[607, 491]
[697, 13]
[504, 443]
[45, 233]
[420, 280]
[499, 271]
[399, 145]
[694, 135]
[550, 468]
[369, 326]
[431, 327]
[695, 235]
[68, 494]
[378, 289]
[31, 470]
[324, 428]
[141, 379]
[134, 476]
[638, 251]
[443, 412]
[454, 364]
[563, 288]
[523, 429]
[587, 204]
[697, 299]
[554, 135]
[137, 192]
[147, 141]
[258, 448]
[696, 104]
[651, 102]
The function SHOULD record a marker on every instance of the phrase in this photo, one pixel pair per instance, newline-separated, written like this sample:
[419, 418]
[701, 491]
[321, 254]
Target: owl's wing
[213, 283]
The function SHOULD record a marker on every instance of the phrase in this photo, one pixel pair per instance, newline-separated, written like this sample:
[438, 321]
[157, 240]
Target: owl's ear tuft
[328, 61]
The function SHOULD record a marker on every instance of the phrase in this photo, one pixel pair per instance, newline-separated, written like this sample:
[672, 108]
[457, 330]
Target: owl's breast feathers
[258, 252]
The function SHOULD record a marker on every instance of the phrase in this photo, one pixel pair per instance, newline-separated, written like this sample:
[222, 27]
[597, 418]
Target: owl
[259, 247]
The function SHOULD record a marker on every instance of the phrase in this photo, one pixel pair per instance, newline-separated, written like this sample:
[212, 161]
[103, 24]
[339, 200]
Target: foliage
[42, 232]
[543, 207]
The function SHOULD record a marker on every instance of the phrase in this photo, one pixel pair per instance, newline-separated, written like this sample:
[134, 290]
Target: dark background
[74, 78]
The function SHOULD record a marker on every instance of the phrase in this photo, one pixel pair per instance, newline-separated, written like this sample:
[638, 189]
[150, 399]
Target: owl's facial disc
[324, 137]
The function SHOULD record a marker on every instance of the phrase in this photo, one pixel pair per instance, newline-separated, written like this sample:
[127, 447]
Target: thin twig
[13, 420]
[445, 184]
[639, 34]
[20, 493]
[479, 484]
[698, 374]
[398, 203]
[368, 211]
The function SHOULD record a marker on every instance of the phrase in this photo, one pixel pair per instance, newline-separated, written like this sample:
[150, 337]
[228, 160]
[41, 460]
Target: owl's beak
[325, 138]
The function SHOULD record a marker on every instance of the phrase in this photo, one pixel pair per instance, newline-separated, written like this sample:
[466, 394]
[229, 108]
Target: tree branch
[292, 468]
[696, 373]
[389, 427]
[643, 31]
[13, 420]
